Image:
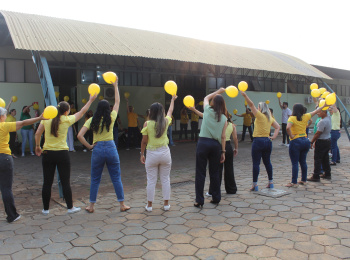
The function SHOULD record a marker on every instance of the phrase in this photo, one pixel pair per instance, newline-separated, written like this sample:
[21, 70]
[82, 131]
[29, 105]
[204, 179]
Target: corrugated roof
[41, 33]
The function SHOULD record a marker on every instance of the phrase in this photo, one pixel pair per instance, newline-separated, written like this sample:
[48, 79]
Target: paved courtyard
[312, 222]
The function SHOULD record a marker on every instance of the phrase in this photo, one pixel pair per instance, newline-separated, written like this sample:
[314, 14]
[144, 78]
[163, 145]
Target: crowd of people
[213, 150]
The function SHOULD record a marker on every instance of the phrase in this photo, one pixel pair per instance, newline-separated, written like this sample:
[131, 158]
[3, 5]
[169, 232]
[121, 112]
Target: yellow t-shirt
[298, 128]
[5, 129]
[10, 118]
[335, 118]
[229, 130]
[184, 119]
[58, 143]
[247, 119]
[105, 135]
[262, 126]
[194, 117]
[132, 119]
[172, 120]
[150, 130]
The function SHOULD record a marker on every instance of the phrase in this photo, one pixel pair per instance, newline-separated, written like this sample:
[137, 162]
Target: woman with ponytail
[158, 161]
[55, 152]
[262, 142]
[104, 149]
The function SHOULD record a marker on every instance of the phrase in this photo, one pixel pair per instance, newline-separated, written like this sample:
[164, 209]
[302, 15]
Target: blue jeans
[27, 135]
[298, 149]
[170, 134]
[261, 148]
[335, 135]
[105, 152]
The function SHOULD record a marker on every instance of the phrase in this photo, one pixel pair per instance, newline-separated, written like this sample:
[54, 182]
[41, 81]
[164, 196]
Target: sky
[312, 30]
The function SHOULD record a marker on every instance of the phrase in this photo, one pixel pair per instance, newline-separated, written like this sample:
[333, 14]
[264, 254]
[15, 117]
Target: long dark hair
[156, 113]
[62, 108]
[102, 112]
[219, 106]
[298, 111]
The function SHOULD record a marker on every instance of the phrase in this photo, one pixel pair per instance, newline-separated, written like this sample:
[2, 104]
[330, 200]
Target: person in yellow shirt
[104, 149]
[133, 126]
[262, 142]
[13, 135]
[183, 122]
[55, 152]
[247, 123]
[158, 162]
[194, 126]
[6, 162]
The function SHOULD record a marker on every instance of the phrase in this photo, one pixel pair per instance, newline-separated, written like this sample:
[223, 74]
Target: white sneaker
[45, 212]
[167, 207]
[23, 155]
[84, 150]
[19, 216]
[149, 209]
[32, 153]
[287, 145]
[281, 144]
[73, 210]
[207, 194]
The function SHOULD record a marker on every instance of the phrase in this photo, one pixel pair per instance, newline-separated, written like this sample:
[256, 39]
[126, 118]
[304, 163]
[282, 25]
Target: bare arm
[38, 135]
[277, 129]
[85, 108]
[171, 107]
[196, 111]
[144, 143]
[239, 115]
[235, 140]
[82, 139]
[250, 103]
[279, 101]
[8, 106]
[309, 123]
[210, 96]
[223, 143]
[20, 124]
[116, 96]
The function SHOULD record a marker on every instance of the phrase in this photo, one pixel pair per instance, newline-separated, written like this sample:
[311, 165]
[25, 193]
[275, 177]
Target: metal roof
[42, 33]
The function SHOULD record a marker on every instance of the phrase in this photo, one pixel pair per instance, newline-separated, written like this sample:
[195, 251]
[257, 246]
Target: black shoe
[214, 202]
[198, 205]
[327, 177]
[337, 161]
[312, 178]
[333, 164]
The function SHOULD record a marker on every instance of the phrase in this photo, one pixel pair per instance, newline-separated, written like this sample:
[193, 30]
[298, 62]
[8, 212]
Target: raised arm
[210, 96]
[171, 107]
[199, 113]
[316, 111]
[26, 107]
[279, 101]
[85, 108]
[250, 103]
[8, 106]
[116, 96]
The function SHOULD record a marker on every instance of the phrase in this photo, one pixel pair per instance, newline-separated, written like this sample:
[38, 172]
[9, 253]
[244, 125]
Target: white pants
[158, 161]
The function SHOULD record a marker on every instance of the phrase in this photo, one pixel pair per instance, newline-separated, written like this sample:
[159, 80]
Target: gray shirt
[325, 126]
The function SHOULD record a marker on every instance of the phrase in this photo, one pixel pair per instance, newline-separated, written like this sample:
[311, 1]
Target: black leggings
[61, 160]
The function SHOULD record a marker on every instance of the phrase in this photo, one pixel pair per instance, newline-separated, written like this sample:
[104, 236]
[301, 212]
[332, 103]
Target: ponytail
[62, 108]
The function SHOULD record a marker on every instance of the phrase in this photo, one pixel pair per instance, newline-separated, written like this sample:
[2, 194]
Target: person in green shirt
[27, 132]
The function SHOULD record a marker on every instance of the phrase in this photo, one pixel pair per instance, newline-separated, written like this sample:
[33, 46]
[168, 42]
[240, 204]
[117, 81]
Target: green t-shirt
[211, 128]
[153, 141]
[316, 122]
[24, 117]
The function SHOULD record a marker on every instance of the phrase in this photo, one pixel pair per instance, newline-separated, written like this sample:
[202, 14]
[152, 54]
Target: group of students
[213, 149]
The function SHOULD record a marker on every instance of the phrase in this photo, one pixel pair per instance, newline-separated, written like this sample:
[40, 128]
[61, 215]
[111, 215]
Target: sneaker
[84, 150]
[149, 209]
[167, 207]
[19, 216]
[45, 212]
[281, 144]
[73, 210]
[287, 145]
[23, 155]
[207, 194]
[32, 153]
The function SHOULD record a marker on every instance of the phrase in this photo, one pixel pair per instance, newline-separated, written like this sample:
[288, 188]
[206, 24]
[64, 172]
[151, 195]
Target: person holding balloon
[104, 149]
[247, 123]
[13, 135]
[299, 143]
[6, 162]
[286, 113]
[158, 160]
[55, 150]
[262, 142]
[211, 146]
[27, 131]
[70, 134]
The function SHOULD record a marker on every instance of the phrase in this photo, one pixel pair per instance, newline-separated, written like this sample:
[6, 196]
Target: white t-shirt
[286, 113]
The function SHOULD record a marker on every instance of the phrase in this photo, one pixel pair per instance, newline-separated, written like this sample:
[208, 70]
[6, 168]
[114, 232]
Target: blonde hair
[264, 109]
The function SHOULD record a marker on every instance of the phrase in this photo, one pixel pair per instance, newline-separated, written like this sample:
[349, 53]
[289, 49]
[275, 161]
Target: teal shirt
[24, 117]
[211, 128]
[316, 122]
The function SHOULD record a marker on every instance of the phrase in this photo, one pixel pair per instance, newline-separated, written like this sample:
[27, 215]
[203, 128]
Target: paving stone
[105, 256]
[36, 243]
[208, 254]
[280, 243]
[172, 229]
[20, 239]
[153, 234]
[324, 224]
[232, 247]
[325, 240]
[311, 230]
[196, 223]
[70, 228]
[132, 240]
[182, 249]
[260, 224]
[309, 247]
[239, 256]
[338, 233]
[52, 256]
[322, 257]
[252, 239]
[110, 235]
[269, 233]
[84, 241]
[157, 244]
[10, 248]
[131, 251]
[175, 221]
[205, 242]
[80, 253]
[155, 225]
[339, 251]
[291, 254]
[57, 248]
[89, 232]
[285, 227]
[180, 238]
[244, 230]
[52, 225]
[261, 251]
[134, 230]
[45, 233]
[106, 246]
[27, 254]
[65, 237]
[200, 232]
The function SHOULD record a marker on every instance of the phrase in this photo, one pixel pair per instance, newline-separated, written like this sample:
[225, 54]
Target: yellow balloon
[100, 97]
[231, 91]
[57, 94]
[50, 112]
[110, 77]
[84, 100]
[325, 94]
[201, 103]
[14, 99]
[94, 89]
[35, 106]
[170, 87]
[315, 93]
[126, 94]
[322, 90]
[313, 86]
[279, 94]
[321, 104]
[189, 101]
[66, 98]
[235, 111]
[267, 101]
[243, 86]
[2, 103]
[331, 99]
